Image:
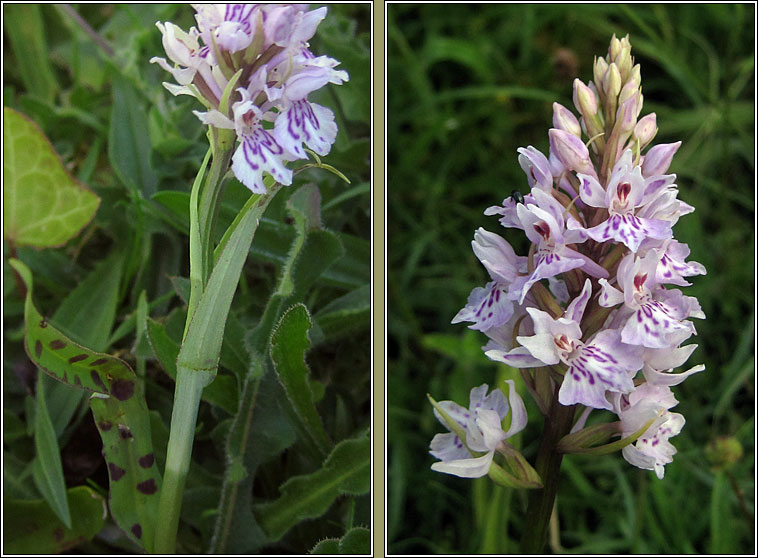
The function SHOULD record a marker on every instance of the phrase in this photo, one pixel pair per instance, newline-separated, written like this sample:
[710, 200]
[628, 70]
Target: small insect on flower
[517, 197]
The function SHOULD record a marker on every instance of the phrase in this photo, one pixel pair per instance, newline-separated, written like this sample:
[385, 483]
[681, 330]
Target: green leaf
[289, 344]
[344, 316]
[29, 527]
[355, 541]
[26, 32]
[120, 413]
[327, 546]
[129, 140]
[48, 470]
[346, 471]
[259, 432]
[43, 205]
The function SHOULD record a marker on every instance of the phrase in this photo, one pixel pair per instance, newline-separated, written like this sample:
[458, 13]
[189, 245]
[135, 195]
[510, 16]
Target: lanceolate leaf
[42, 203]
[346, 471]
[120, 412]
[288, 346]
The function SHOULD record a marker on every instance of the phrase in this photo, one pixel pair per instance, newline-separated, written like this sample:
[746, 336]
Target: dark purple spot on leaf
[146, 461]
[148, 487]
[116, 472]
[105, 425]
[77, 358]
[124, 432]
[98, 381]
[137, 530]
[99, 361]
[43, 324]
[56, 344]
[122, 389]
[38, 348]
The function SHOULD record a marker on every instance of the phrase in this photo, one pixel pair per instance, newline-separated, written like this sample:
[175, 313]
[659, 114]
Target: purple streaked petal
[256, 153]
[590, 191]
[448, 447]
[487, 307]
[518, 358]
[459, 414]
[582, 386]
[549, 265]
[653, 326]
[308, 123]
[629, 229]
[575, 310]
[536, 167]
[496, 255]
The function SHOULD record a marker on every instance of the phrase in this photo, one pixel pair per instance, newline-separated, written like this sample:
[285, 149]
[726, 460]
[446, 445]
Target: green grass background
[467, 85]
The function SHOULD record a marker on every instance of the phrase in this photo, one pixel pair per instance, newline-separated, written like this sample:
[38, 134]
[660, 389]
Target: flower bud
[629, 90]
[563, 119]
[614, 49]
[585, 100]
[645, 130]
[612, 82]
[658, 159]
[599, 70]
[624, 62]
[570, 151]
[626, 116]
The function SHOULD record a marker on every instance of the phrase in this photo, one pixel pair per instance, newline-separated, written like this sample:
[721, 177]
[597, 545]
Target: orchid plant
[588, 315]
[252, 69]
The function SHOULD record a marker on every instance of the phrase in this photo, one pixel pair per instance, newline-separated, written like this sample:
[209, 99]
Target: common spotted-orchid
[590, 317]
[258, 55]
[480, 428]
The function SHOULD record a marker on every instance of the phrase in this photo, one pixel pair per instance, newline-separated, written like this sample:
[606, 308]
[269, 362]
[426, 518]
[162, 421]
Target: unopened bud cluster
[251, 67]
[590, 309]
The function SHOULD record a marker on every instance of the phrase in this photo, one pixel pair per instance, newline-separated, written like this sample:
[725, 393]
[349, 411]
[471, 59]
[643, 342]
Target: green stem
[548, 464]
[189, 388]
[209, 206]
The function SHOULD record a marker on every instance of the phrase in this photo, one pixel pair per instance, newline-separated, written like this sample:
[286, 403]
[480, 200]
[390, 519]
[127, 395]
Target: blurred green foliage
[467, 86]
[82, 74]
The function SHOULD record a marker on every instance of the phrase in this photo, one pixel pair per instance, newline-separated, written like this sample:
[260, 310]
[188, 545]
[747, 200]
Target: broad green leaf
[43, 205]
[327, 546]
[26, 32]
[260, 431]
[344, 315]
[48, 471]
[128, 141]
[29, 527]
[356, 541]
[346, 471]
[120, 412]
[289, 344]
